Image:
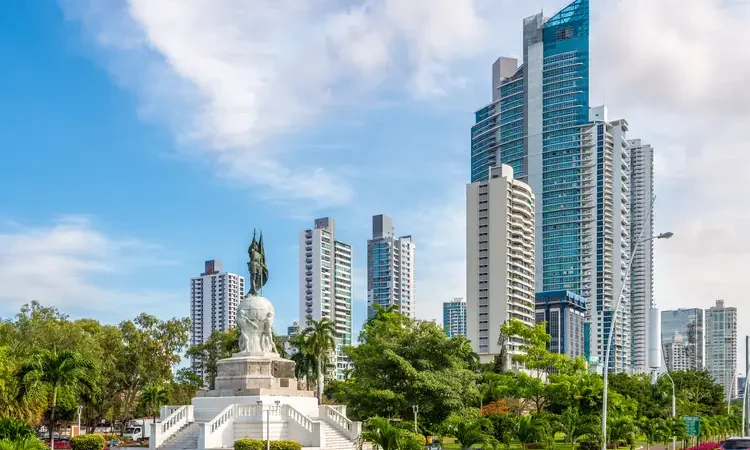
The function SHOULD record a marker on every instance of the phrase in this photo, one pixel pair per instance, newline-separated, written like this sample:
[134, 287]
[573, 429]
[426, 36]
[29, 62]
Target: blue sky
[140, 138]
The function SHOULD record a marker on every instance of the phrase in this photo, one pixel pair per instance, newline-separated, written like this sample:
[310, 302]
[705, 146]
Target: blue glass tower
[540, 123]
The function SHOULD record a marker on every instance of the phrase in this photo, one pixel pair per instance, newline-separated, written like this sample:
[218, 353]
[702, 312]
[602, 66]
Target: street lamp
[268, 422]
[608, 344]
[80, 408]
[674, 403]
[415, 408]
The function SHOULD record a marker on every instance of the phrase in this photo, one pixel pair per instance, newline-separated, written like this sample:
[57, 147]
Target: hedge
[87, 442]
[15, 430]
[255, 444]
[27, 443]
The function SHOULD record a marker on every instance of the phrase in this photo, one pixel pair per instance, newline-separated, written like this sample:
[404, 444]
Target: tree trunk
[320, 378]
[52, 419]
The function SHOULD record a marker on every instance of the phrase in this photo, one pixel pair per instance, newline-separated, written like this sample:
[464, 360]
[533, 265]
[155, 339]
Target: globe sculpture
[255, 316]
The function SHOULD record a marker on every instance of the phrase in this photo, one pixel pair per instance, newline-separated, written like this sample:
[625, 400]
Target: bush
[87, 442]
[15, 430]
[249, 444]
[27, 443]
[255, 444]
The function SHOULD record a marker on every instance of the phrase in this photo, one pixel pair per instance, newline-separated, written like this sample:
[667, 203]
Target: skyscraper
[454, 317]
[642, 268]
[576, 163]
[564, 314]
[325, 285]
[689, 325]
[721, 346]
[499, 259]
[214, 296]
[390, 269]
[677, 353]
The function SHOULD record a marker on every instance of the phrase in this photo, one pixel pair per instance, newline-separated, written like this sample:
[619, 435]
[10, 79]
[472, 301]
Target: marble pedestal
[253, 374]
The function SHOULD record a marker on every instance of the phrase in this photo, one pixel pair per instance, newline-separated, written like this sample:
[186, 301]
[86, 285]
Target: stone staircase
[185, 439]
[335, 440]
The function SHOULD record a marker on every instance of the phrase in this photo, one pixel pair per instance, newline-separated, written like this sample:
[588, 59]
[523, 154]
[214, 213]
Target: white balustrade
[339, 421]
[170, 425]
[302, 428]
[214, 433]
[248, 410]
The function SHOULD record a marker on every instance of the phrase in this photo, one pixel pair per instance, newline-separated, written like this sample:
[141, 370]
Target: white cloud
[68, 265]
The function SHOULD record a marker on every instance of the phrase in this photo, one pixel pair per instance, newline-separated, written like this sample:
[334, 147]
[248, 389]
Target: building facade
[454, 317]
[499, 259]
[642, 268]
[677, 353]
[689, 325]
[576, 163]
[721, 346]
[564, 314]
[741, 380]
[390, 269]
[325, 285]
[214, 296]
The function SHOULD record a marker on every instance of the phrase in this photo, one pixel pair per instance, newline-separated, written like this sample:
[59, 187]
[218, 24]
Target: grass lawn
[450, 444]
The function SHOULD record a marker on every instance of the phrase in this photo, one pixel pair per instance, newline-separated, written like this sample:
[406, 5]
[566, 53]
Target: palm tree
[469, 432]
[319, 339]
[153, 396]
[527, 430]
[574, 424]
[55, 371]
[384, 435]
[305, 361]
[652, 430]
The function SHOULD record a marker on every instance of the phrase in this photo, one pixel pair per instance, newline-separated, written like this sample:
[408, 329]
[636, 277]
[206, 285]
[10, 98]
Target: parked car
[736, 443]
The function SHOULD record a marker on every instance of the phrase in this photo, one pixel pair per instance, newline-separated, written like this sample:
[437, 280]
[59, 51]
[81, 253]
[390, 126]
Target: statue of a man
[266, 338]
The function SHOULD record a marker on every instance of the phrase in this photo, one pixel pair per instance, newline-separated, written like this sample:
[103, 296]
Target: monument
[257, 369]
[255, 392]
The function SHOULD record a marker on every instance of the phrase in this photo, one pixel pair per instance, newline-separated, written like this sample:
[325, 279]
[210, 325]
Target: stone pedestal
[251, 374]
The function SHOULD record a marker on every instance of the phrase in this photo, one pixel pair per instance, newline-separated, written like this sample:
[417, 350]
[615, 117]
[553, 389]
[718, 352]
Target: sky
[139, 138]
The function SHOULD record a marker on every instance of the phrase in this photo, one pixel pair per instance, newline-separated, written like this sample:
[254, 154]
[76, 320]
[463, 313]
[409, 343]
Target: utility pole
[745, 424]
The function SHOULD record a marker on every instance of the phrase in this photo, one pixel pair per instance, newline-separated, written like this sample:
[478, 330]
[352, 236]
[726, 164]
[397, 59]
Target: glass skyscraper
[454, 317]
[689, 325]
[574, 160]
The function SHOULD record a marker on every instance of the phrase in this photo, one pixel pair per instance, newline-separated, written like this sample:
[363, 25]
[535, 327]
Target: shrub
[285, 445]
[249, 444]
[27, 443]
[87, 442]
[255, 444]
[15, 430]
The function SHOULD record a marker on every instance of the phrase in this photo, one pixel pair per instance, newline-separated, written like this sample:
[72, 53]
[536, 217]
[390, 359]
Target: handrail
[248, 410]
[337, 420]
[173, 423]
[299, 418]
[210, 435]
[311, 432]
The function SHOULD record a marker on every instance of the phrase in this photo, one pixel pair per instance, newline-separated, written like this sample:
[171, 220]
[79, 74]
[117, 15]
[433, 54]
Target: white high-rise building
[607, 226]
[390, 269]
[642, 268]
[677, 354]
[721, 346]
[499, 259]
[214, 296]
[325, 284]
[454, 317]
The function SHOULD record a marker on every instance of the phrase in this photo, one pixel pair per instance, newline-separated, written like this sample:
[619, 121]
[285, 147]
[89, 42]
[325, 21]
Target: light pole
[608, 344]
[415, 408]
[268, 422]
[79, 419]
[674, 404]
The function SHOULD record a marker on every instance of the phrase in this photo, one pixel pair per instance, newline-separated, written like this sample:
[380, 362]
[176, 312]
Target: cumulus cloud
[71, 265]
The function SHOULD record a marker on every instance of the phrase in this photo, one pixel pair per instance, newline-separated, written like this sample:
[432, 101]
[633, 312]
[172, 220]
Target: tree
[621, 429]
[54, 372]
[652, 429]
[152, 397]
[574, 425]
[220, 345]
[530, 429]
[469, 431]
[385, 435]
[318, 337]
[400, 363]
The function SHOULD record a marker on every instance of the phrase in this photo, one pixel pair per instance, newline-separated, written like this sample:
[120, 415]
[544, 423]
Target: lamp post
[608, 344]
[415, 408]
[674, 403]
[268, 422]
[79, 419]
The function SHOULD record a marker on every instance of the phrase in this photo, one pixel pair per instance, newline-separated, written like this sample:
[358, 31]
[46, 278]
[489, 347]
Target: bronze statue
[257, 265]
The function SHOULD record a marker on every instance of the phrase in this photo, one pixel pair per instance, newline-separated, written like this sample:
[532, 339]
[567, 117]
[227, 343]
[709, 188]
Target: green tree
[318, 337]
[621, 429]
[153, 397]
[306, 362]
[220, 345]
[55, 372]
[400, 363]
[574, 424]
[469, 431]
[652, 429]
[529, 430]
[385, 435]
